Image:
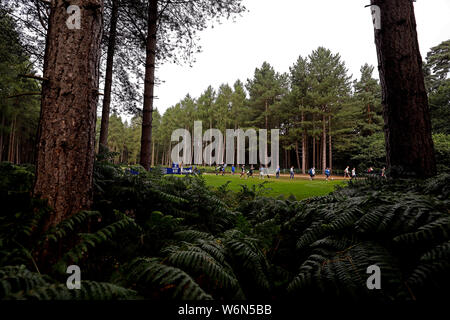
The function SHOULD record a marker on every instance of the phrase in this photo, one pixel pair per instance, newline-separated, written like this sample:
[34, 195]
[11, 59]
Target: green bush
[166, 237]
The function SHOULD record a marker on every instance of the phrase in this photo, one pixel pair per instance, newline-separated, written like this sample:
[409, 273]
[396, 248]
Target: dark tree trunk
[146, 139]
[330, 146]
[11, 140]
[304, 137]
[296, 154]
[66, 132]
[1, 137]
[109, 74]
[409, 145]
[324, 142]
[314, 152]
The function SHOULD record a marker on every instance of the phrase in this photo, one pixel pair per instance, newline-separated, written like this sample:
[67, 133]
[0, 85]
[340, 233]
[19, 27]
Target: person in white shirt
[353, 173]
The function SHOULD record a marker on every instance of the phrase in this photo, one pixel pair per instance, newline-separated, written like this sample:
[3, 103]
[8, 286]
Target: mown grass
[300, 188]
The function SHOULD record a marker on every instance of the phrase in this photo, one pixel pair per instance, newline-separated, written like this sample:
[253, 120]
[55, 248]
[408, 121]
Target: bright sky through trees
[279, 31]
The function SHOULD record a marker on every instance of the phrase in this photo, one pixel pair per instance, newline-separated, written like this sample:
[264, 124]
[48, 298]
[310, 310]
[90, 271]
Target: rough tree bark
[66, 132]
[146, 138]
[409, 144]
[109, 74]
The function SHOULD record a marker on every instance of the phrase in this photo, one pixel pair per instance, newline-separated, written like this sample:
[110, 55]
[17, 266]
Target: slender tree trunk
[330, 146]
[409, 145]
[66, 131]
[267, 117]
[296, 154]
[210, 138]
[168, 157]
[109, 74]
[318, 154]
[153, 153]
[146, 138]
[11, 140]
[289, 158]
[1, 137]
[17, 151]
[324, 142]
[303, 145]
[314, 151]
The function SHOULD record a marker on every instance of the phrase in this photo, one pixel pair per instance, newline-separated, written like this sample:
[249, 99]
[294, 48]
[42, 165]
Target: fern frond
[164, 279]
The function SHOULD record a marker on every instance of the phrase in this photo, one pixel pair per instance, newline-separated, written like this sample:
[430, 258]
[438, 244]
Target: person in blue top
[327, 173]
[233, 170]
[312, 173]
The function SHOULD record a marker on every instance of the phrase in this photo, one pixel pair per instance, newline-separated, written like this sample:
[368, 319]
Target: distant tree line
[325, 118]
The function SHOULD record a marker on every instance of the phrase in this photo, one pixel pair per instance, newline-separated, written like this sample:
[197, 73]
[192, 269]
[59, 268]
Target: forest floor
[301, 187]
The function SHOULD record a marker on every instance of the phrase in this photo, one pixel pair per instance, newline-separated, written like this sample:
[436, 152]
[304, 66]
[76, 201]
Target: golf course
[300, 187]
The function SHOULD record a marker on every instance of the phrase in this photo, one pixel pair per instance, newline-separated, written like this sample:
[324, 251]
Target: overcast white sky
[279, 31]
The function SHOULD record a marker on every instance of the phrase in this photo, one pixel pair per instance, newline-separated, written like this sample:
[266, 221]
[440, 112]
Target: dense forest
[349, 131]
[292, 103]
[76, 188]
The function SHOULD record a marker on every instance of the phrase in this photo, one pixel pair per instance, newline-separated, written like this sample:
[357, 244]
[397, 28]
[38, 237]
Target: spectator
[346, 172]
[383, 172]
[242, 171]
[312, 173]
[327, 173]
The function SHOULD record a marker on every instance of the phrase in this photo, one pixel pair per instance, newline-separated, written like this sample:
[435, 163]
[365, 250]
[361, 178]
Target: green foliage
[404, 232]
[15, 178]
[159, 280]
[442, 151]
[171, 237]
[17, 283]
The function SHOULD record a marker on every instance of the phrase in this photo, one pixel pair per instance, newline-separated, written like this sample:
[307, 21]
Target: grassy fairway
[300, 188]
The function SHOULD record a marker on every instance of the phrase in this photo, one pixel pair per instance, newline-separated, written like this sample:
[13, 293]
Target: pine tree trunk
[314, 151]
[409, 145]
[296, 153]
[324, 143]
[303, 145]
[17, 151]
[267, 118]
[153, 153]
[330, 146]
[1, 137]
[11, 141]
[109, 74]
[146, 138]
[210, 137]
[66, 131]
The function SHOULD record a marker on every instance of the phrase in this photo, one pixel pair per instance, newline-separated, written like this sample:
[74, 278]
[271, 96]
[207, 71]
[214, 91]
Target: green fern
[17, 283]
[151, 276]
